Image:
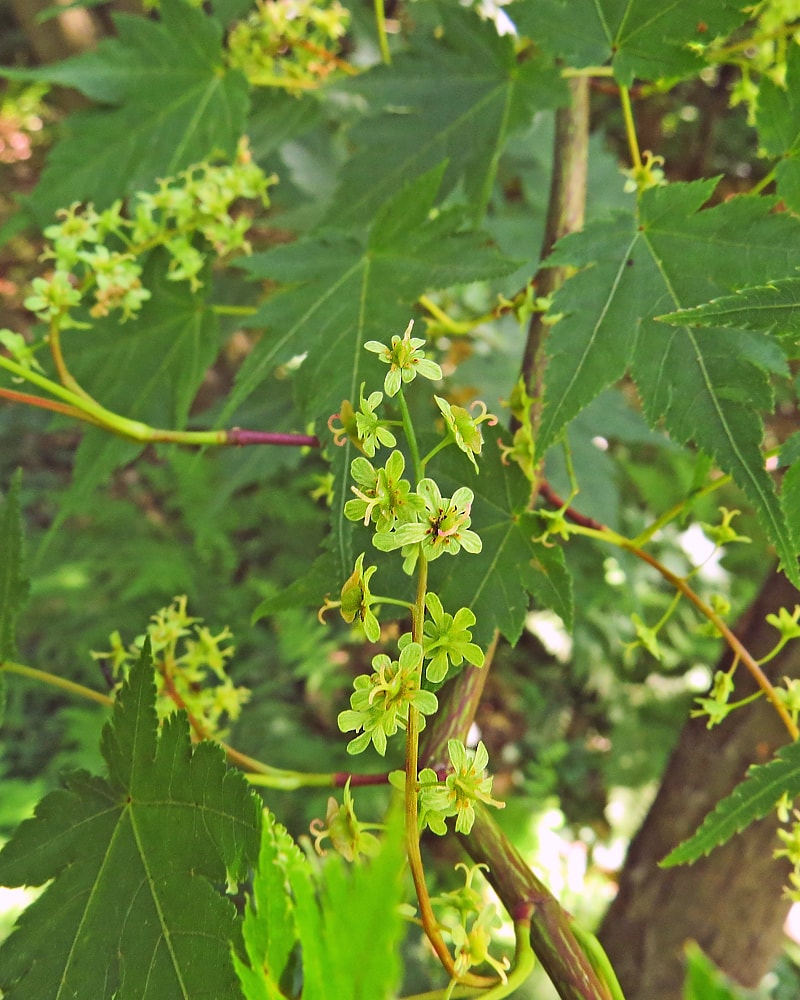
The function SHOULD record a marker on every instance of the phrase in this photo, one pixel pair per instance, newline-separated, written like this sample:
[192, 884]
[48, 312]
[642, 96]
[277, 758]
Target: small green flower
[716, 706]
[464, 428]
[406, 360]
[435, 802]
[348, 835]
[372, 431]
[382, 496]
[53, 297]
[472, 946]
[468, 783]
[787, 624]
[380, 702]
[348, 429]
[447, 639]
[724, 533]
[118, 282]
[357, 600]
[461, 788]
[20, 350]
[444, 527]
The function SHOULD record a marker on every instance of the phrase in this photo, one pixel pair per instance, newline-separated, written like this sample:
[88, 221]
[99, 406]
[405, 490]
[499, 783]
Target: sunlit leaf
[757, 795]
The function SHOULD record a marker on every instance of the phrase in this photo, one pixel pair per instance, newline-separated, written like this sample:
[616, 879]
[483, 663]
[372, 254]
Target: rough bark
[731, 902]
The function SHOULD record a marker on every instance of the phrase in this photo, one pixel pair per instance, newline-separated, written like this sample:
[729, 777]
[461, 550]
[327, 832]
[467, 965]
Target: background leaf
[706, 386]
[176, 104]
[13, 584]
[133, 910]
[497, 583]
[751, 800]
[772, 308]
[343, 291]
[452, 98]
[642, 39]
[148, 369]
[778, 123]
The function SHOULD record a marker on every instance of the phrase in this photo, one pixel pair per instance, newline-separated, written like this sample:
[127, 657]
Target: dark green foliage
[168, 106]
[639, 39]
[406, 187]
[706, 387]
[13, 583]
[138, 861]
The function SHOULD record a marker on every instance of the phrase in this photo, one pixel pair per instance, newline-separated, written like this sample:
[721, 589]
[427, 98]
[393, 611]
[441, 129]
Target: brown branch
[565, 215]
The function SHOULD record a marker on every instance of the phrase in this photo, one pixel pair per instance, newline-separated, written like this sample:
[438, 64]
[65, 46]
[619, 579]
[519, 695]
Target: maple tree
[301, 183]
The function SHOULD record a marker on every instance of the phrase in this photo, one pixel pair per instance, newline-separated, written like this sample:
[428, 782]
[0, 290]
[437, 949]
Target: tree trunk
[731, 902]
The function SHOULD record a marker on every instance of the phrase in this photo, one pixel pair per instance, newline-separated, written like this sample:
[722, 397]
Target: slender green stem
[600, 961]
[630, 128]
[524, 963]
[411, 802]
[383, 38]
[83, 407]
[570, 73]
[678, 509]
[765, 181]
[229, 310]
[411, 437]
[435, 450]
[45, 677]
[705, 609]
[265, 776]
[67, 379]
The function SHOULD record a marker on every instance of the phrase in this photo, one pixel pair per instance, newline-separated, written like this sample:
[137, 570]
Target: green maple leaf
[642, 39]
[774, 307]
[343, 291]
[345, 921]
[707, 386]
[751, 800]
[778, 124]
[132, 910]
[497, 583]
[452, 98]
[13, 584]
[171, 102]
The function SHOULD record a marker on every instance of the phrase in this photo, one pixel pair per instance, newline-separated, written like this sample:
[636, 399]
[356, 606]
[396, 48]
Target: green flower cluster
[206, 199]
[380, 703]
[456, 796]
[442, 527]
[289, 43]
[191, 667]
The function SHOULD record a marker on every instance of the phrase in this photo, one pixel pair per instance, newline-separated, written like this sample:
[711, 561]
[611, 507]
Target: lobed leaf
[451, 98]
[757, 795]
[640, 39]
[774, 307]
[170, 102]
[137, 861]
[707, 386]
